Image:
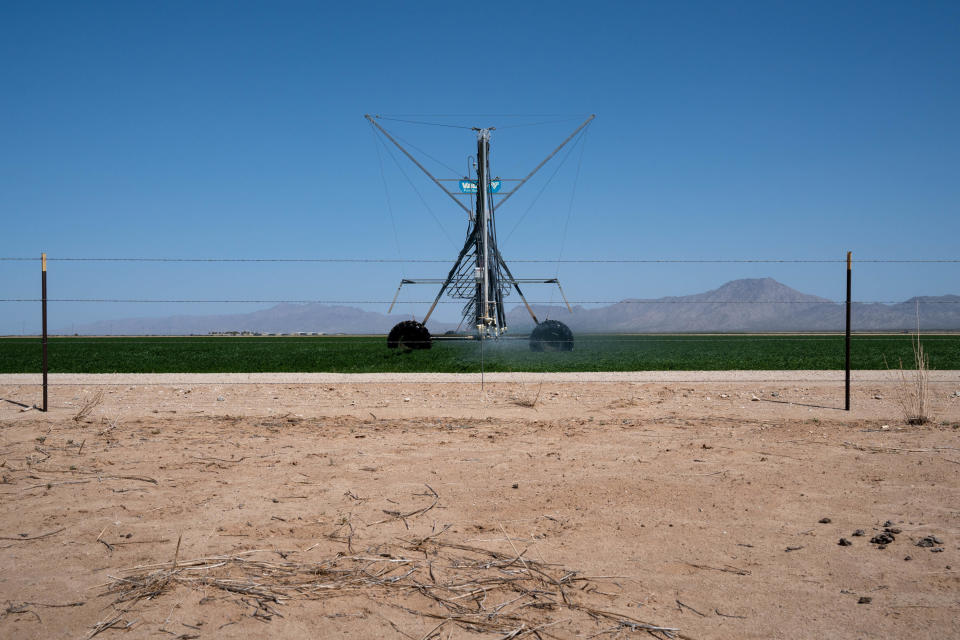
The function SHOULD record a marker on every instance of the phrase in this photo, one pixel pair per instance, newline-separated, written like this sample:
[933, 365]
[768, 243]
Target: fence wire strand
[519, 260]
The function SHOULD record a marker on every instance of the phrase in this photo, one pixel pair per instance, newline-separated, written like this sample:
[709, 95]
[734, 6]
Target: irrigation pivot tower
[480, 275]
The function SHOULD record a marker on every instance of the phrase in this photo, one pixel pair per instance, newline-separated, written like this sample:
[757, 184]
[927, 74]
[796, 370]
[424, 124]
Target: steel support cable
[415, 147]
[573, 194]
[485, 115]
[537, 124]
[417, 191]
[431, 124]
[543, 190]
[386, 193]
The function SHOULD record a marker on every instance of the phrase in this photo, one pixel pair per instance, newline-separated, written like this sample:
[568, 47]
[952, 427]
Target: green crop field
[354, 354]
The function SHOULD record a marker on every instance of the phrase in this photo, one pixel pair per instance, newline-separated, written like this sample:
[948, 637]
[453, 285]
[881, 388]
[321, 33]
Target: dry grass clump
[529, 402]
[456, 585]
[913, 388]
[88, 405]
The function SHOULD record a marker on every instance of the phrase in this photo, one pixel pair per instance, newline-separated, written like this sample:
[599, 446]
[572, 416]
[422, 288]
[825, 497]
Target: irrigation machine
[480, 275]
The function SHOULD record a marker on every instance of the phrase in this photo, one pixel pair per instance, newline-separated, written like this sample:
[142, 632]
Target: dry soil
[711, 507]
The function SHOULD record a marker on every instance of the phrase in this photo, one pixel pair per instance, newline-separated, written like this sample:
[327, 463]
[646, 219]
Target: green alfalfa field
[369, 354]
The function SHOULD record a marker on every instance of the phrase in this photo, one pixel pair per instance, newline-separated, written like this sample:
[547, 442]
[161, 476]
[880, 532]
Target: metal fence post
[43, 295]
[849, 273]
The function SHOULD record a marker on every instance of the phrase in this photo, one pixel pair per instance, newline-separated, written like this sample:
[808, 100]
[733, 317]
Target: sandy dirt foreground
[553, 509]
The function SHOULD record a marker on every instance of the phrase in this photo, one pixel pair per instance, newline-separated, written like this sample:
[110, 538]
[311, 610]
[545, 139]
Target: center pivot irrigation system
[480, 275]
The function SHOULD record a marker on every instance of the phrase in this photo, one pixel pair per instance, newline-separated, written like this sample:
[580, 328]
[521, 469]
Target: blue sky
[235, 129]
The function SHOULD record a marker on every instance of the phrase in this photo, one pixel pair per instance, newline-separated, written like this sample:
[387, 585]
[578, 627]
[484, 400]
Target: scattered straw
[477, 589]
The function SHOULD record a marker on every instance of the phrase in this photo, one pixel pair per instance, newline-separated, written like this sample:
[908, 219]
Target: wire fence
[522, 260]
[661, 352]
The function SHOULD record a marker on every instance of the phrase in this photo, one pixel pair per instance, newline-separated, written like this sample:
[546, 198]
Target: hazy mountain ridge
[753, 304]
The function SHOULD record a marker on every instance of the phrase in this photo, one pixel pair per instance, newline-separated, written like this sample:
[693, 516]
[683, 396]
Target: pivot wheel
[551, 335]
[409, 334]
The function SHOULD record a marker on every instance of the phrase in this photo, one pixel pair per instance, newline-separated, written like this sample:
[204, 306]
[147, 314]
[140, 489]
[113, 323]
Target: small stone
[754, 399]
[885, 427]
[844, 542]
[893, 530]
[406, 399]
[888, 523]
[220, 398]
[825, 521]
[882, 539]
[859, 532]
[928, 541]
[937, 550]
[775, 394]
[907, 558]
[865, 600]
[515, 485]
[877, 396]
[724, 396]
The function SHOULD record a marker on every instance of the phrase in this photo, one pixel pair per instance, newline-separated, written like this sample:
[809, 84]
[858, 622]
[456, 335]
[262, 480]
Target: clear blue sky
[235, 129]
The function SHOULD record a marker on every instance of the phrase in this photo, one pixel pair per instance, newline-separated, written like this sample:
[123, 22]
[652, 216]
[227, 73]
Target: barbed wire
[518, 260]
[477, 374]
[460, 302]
[322, 339]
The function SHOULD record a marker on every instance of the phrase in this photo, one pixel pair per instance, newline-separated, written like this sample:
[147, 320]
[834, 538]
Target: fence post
[43, 295]
[849, 273]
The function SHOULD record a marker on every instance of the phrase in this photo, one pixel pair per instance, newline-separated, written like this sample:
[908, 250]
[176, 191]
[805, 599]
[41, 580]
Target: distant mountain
[753, 305]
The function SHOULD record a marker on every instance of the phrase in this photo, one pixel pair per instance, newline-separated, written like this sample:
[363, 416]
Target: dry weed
[529, 402]
[91, 403]
[913, 386]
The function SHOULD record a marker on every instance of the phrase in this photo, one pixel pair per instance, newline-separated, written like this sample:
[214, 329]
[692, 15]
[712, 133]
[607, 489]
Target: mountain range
[748, 305]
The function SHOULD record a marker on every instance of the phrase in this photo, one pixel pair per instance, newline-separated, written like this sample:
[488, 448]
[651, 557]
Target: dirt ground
[440, 510]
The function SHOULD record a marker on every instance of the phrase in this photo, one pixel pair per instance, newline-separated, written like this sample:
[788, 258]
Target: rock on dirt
[929, 541]
[883, 538]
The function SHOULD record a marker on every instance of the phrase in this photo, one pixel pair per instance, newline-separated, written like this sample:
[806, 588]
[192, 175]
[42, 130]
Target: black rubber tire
[409, 334]
[551, 335]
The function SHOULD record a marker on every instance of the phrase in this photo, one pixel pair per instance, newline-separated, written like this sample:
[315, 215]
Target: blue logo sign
[470, 186]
